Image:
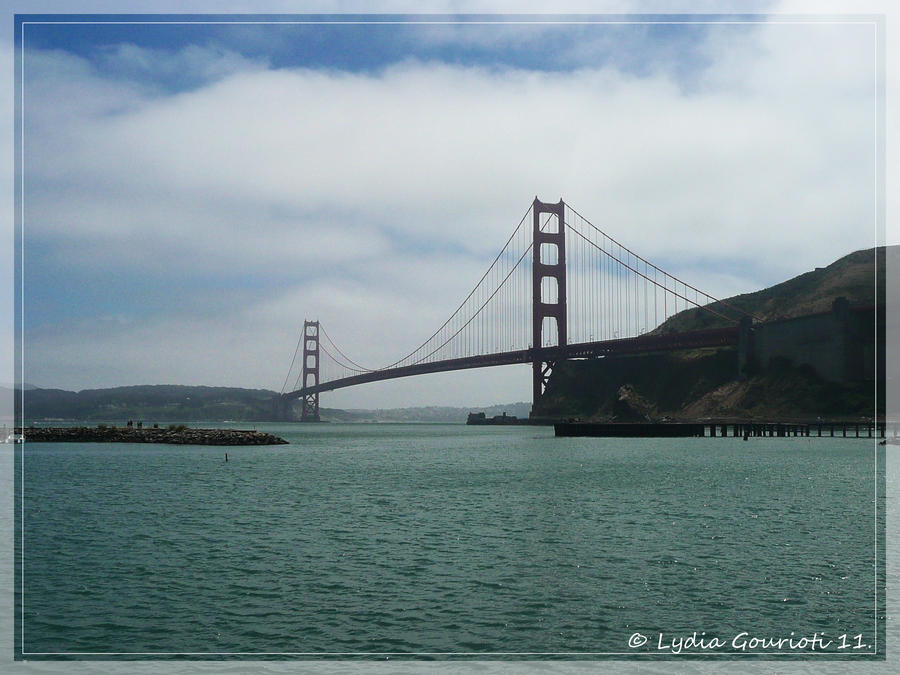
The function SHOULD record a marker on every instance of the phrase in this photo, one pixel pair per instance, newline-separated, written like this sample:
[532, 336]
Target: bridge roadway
[713, 337]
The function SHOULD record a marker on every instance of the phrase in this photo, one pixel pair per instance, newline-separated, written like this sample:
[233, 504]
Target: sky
[194, 190]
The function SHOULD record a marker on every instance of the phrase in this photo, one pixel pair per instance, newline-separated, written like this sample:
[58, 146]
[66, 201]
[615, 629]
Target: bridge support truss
[548, 262]
[309, 411]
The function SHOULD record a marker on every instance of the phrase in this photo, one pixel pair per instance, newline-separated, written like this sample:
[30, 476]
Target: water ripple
[441, 539]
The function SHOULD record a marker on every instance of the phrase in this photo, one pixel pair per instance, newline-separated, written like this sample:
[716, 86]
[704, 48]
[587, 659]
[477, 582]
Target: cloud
[188, 68]
[422, 146]
[385, 195]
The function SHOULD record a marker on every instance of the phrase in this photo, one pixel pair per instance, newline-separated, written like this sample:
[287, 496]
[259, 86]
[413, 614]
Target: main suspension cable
[471, 293]
[673, 292]
[338, 349]
[647, 262]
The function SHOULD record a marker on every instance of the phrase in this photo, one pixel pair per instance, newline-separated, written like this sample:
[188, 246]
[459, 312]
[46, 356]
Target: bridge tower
[310, 409]
[548, 262]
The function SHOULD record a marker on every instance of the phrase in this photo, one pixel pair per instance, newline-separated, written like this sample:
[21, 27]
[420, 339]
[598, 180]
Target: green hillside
[852, 277]
[150, 403]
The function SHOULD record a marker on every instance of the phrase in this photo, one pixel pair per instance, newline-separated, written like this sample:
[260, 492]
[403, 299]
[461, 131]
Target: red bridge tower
[548, 262]
[310, 410]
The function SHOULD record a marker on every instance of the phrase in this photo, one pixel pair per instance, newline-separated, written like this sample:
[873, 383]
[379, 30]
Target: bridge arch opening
[549, 254]
[550, 290]
[550, 332]
[550, 224]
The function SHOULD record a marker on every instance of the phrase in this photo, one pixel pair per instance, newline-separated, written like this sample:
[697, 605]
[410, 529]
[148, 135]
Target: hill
[707, 383]
[150, 403]
[852, 277]
[424, 414]
[169, 403]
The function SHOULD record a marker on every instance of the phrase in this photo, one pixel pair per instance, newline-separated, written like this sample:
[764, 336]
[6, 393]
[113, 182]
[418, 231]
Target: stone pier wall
[839, 345]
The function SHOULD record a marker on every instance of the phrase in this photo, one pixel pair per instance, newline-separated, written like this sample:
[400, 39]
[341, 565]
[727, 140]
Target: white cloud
[192, 65]
[370, 180]
[426, 148]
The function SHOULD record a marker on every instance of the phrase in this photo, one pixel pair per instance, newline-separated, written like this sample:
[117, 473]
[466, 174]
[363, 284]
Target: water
[438, 539]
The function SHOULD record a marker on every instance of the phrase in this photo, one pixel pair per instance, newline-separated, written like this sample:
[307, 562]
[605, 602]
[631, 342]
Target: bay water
[434, 541]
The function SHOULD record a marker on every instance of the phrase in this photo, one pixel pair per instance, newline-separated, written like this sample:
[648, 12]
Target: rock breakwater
[178, 436]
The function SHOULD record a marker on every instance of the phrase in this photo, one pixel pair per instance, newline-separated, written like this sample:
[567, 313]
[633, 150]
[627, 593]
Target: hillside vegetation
[167, 403]
[150, 403]
[852, 277]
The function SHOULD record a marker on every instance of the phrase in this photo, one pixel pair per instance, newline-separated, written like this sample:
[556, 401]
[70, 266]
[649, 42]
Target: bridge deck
[715, 337]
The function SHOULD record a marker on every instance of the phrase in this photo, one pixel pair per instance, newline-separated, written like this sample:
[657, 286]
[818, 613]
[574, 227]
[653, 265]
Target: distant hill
[852, 277]
[150, 403]
[424, 414]
[169, 403]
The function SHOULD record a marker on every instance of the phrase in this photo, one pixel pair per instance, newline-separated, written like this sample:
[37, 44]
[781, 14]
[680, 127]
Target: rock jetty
[179, 435]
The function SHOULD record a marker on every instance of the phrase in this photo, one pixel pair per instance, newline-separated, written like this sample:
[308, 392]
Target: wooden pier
[817, 429]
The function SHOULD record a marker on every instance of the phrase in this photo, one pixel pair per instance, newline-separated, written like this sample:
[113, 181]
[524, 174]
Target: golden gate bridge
[559, 289]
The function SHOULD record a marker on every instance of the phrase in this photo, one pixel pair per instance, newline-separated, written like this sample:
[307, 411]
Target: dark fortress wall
[665, 382]
[819, 364]
[840, 345]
